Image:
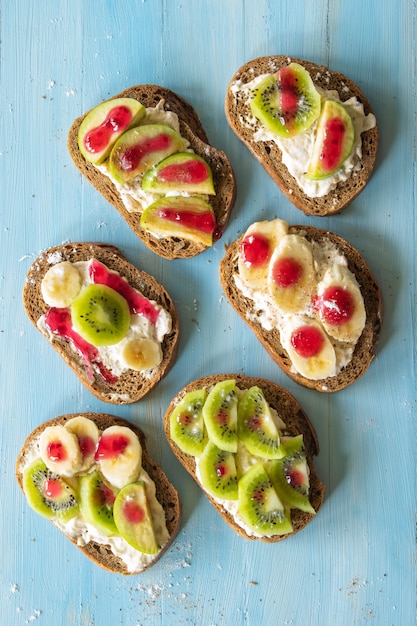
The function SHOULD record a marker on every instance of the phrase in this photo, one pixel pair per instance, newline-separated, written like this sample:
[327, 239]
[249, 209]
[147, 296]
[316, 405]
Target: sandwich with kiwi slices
[114, 325]
[249, 445]
[310, 298]
[312, 129]
[91, 475]
[146, 151]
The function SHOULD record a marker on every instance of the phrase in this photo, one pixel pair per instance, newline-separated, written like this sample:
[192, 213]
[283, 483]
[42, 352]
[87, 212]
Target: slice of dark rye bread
[296, 423]
[131, 385]
[166, 494]
[364, 351]
[268, 153]
[191, 129]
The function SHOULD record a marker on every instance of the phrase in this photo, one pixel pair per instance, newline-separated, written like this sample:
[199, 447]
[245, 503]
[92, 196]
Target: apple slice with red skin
[183, 171]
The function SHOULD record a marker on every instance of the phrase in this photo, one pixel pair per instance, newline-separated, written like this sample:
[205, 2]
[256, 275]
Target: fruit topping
[334, 141]
[187, 423]
[220, 415]
[119, 455]
[218, 472]
[256, 426]
[189, 217]
[286, 102]
[47, 493]
[133, 518]
[259, 504]
[104, 124]
[141, 354]
[183, 171]
[61, 284]
[87, 434]
[60, 450]
[97, 498]
[310, 349]
[258, 244]
[100, 315]
[140, 148]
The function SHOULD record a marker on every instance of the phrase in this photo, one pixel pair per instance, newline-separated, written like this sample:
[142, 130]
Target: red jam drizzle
[58, 321]
[56, 451]
[255, 250]
[133, 512]
[307, 341]
[52, 487]
[131, 156]
[221, 471]
[111, 446]
[289, 91]
[294, 477]
[331, 152]
[221, 417]
[105, 496]
[286, 272]
[203, 222]
[117, 120]
[336, 306]
[138, 304]
[86, 444]
[190, 172]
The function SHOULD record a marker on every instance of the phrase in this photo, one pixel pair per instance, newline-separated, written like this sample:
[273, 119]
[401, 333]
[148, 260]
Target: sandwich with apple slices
[113, 324]
[147, 153]
[309, 297]
[312, 129]
[92, 477]
[250, 446]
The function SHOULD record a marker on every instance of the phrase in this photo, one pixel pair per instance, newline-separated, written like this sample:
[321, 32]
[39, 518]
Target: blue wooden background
[356, 563]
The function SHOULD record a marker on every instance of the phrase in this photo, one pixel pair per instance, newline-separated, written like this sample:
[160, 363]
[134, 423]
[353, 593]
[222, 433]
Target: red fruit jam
[254, 422]
[255, 250]
[131, 157]
[138, 304]
[190, 172]
[56, 451]
[133, 512]
[97, 139]
[52, 487]
[307, 341]
[331, 153]
[105, 496]
[336, 305]
[289, 91]
[294, 477]
[203, 222]
[221, 417]
[111, 446]
[221, 471]
[287, 272]
[86, 444]
[58, 321]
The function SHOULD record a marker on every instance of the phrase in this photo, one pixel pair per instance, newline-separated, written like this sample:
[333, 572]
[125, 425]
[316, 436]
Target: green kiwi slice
[97, 497]
[48, 494]
[259, 505]
[187, 425]
[100, 315]
[220, 415]
[133, 518]
[183, 171]
[256, 426]
[218, 472]
[286, 102]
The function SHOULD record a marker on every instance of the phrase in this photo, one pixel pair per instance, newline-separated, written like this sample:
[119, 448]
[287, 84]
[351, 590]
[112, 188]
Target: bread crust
[364, 352]
[296, 421]
[131, 385]
[191, 129]
[270, 156]
[166, 493]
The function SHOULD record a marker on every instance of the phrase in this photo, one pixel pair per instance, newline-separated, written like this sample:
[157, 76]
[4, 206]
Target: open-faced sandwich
[312, 129]
[250, 446]
[92, 477]
[114, 325]
[147, 153]
[309, 297]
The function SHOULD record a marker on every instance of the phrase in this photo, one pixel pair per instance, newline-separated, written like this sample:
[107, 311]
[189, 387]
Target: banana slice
[340, 304]
[258, 244]
[141, 354]
[309, 348]
[88, 435]
[61, 284]
[291, 276]
[119, 455]
[60, 451]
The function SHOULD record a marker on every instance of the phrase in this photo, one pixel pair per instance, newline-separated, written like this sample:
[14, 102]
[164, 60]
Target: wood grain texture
[357, 563]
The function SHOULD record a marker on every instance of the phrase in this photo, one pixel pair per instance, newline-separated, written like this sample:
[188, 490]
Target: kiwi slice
[286, 102]
[100, 315]
[97, 497]
[256, 426]
[220, 415]
[218, 472]
[259, 505]
[187, 425]
[183, 171]
[48, 494]
[133, 518]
